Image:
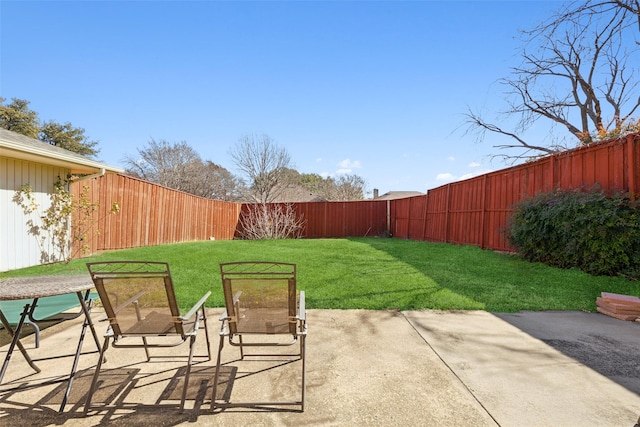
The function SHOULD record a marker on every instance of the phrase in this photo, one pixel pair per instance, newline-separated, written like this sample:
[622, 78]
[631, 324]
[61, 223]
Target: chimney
[375, 193]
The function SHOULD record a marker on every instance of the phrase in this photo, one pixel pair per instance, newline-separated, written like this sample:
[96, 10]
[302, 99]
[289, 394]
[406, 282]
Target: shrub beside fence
[474, 211]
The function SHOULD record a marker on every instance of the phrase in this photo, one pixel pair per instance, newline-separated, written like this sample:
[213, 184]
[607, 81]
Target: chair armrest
[236, 297]
[196, 307]
[302, 312]
[128, 302]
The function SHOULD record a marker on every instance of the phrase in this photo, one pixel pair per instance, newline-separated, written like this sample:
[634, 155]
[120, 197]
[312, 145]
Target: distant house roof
[391, 195]
[22, 147]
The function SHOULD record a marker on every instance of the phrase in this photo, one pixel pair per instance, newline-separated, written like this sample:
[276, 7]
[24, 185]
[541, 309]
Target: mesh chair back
[138, 297]
[260, 297]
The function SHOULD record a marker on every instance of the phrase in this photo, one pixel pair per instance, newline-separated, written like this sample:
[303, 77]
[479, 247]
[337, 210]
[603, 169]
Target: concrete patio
[433, 368]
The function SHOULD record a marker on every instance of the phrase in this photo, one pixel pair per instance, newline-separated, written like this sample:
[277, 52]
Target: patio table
[32, 288]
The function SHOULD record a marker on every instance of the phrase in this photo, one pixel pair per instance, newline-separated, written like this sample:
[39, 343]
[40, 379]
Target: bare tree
[264, 164]
[350, 187]
[576, 73]
[180, 167]
[625, 10]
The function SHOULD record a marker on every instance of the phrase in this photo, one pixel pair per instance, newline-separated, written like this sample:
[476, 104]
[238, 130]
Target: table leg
[15, 341]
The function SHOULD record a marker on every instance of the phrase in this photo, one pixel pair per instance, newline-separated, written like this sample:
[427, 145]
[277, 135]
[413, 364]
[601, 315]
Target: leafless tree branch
[575, 73]
[264, 164]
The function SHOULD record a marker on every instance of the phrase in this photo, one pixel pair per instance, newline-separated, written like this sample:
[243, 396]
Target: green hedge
[589, 230]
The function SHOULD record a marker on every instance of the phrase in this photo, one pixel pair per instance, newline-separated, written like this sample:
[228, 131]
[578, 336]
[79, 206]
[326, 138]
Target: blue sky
[378, 89]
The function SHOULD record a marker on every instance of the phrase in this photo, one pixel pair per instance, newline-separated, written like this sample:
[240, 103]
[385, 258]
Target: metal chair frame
[102, 273]
[231, 328]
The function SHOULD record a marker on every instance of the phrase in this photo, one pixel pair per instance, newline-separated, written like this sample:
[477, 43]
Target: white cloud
[451, 158]
[468, 175]
[474, 169]
[474, 174]
[349, 164]
[445, 177]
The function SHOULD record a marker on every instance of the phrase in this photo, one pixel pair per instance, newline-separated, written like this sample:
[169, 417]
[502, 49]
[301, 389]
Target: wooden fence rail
[474, 211]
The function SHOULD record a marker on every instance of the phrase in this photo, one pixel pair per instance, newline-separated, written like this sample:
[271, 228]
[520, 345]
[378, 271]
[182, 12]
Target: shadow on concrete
[608, 346]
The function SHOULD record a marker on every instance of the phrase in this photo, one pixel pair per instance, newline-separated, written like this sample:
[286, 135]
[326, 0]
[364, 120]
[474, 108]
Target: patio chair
[140, 303]
[261, 300]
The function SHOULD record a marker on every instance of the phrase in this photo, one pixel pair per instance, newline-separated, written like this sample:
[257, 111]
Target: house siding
[18, 248]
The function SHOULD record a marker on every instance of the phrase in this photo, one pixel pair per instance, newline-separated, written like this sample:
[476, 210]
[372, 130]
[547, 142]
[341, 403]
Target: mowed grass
[376, 274]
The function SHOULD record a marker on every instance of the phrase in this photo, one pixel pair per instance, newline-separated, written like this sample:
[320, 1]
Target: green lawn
[372, 273]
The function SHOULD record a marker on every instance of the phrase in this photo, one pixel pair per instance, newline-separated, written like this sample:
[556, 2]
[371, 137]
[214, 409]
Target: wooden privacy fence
[151, 214]
[366, 218]
[335, 219]
[474, 211]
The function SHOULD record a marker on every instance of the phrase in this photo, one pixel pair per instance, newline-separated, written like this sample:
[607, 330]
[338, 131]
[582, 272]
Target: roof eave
[75, 163]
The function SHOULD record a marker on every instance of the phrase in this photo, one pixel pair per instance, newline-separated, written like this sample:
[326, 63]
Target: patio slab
[363, 368]
[520, 379]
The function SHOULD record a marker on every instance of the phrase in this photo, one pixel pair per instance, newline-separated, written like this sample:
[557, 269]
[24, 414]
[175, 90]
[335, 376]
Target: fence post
[424, 216]
[631, 167]
[447, 214]
[389, 232]
[483, 213]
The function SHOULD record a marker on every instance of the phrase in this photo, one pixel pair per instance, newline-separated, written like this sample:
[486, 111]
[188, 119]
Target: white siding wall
[18, 248]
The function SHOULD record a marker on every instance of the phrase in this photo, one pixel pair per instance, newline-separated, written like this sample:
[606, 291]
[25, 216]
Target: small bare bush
[262, 221]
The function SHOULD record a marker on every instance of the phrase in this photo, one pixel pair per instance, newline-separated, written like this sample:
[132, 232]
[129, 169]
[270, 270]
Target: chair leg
[94, 382]
[74, 366]
[192, 341]
[304, 370]
[206, 333]
[216, 377]
[146, 348]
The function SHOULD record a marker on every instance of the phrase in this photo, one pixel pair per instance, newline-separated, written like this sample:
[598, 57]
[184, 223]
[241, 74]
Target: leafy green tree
[312, 182]
[341, 188]
[17, 117]
[68, 137]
